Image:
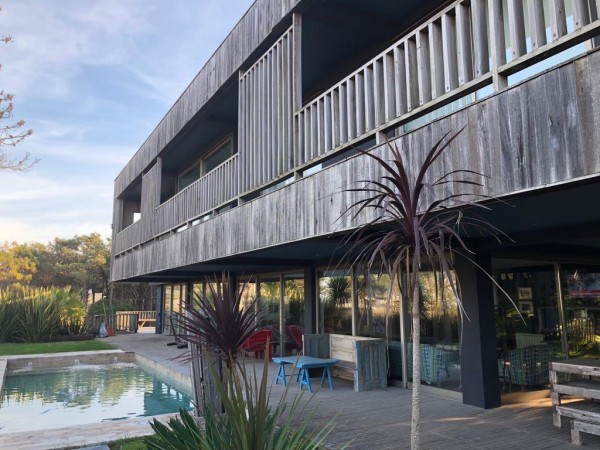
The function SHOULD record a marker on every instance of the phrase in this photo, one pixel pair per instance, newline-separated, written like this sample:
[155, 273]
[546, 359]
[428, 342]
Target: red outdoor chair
[295, 333]
[257, 343]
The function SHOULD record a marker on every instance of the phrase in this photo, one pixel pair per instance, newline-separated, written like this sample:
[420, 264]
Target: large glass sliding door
[174, 296]
[528, 333]
[335, 300]
[440, 333]
[292, 314]
[580, 289]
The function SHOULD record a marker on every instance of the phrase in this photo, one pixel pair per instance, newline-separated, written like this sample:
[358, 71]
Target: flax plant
[37, 314]
[415, 226]
[248, 422]
[216, 321]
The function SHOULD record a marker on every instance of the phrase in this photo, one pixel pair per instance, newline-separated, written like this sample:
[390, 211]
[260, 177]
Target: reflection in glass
[440, 333]
[529, 336]
[335, 287]
[293, 313]
[581, 298]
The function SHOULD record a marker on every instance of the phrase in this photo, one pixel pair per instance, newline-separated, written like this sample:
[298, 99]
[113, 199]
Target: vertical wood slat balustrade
[455, 52]
[448, 56]
[265, 115]
[214, 189]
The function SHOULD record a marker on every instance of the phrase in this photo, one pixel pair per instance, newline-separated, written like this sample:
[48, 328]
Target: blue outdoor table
[304, 363]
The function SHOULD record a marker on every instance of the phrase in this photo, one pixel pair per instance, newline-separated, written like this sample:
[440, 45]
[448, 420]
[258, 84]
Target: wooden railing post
[496, 22]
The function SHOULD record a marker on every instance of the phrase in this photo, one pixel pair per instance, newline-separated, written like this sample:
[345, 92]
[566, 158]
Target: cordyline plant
[249, 422]
[415, 227]
[216, 321]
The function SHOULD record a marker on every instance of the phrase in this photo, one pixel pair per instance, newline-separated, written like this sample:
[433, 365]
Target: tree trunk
[416, 366]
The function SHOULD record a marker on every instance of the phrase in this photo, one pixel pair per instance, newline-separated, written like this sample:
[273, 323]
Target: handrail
[217, 187]
[214, 189]
[456, 52]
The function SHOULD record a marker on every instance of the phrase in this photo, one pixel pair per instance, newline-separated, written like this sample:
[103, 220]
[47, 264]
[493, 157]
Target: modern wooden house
[245, 174]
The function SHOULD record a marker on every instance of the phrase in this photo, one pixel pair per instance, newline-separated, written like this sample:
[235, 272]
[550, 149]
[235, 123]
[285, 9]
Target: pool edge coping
[152, 366]
[179, 380]
[3, 370]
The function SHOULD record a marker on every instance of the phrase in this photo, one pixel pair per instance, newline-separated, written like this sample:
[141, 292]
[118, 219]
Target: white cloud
[19, 187]
[93, 78]
[22, 231]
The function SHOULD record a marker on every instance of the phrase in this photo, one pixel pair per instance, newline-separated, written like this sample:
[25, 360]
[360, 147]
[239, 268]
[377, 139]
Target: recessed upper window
[220, 153]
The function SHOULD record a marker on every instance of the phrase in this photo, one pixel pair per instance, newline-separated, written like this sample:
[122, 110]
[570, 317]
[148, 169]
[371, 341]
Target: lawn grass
[128, 444]
[53, 347]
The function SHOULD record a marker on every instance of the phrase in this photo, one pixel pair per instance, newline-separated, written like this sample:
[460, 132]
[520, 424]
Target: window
[219, 155]
[188, 177]
[216, 156]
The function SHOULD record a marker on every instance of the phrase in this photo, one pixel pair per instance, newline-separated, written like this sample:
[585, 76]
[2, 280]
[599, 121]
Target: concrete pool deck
[380, 419]
[82, 435]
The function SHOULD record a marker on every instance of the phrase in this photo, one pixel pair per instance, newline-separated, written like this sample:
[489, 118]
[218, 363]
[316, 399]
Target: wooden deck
[380, 419]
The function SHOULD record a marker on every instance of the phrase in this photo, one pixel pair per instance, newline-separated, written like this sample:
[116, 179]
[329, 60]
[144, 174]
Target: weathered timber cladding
[214, 189]
[448, 54]
[150, 200]
[245, 37]
[127, 238]
[265, 115]
[541, 132]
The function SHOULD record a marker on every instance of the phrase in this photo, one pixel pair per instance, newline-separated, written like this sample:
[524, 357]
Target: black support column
[310, 300]
[160, 308]
[479, 365]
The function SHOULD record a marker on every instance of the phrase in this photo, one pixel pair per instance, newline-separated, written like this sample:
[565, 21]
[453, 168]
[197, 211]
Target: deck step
[585, 411]
[578, 427]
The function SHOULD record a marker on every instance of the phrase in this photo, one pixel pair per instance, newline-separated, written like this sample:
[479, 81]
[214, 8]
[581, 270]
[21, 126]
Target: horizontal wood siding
[535, 134]
[246, 36]
[265, 116]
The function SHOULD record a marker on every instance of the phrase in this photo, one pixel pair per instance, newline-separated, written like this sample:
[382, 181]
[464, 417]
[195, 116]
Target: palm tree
[415, 226]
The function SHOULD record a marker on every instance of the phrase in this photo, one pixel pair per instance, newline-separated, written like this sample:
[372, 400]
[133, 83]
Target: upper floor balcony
[285, 122]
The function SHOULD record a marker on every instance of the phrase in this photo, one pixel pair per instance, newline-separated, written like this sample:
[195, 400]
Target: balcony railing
[127, 238]
[466, 46]
[214, 189]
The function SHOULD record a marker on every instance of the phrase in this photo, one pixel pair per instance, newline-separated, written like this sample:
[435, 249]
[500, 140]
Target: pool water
[82, 395]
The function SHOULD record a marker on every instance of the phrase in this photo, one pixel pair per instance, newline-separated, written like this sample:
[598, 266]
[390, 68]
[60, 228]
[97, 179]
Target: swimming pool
[84, 394]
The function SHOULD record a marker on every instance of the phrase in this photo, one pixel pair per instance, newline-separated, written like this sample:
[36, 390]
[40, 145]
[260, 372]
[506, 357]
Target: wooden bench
[361, 359]
[577, 427]
[584, 414]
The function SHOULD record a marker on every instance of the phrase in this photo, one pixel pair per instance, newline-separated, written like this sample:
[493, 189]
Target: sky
[93, 78]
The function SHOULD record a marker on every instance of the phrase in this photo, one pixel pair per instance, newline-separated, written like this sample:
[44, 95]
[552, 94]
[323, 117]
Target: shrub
[37, 314]
[103, 307]
[248, 421]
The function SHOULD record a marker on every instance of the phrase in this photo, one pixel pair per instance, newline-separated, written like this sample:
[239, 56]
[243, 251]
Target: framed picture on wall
[525, 293]
[526, 307]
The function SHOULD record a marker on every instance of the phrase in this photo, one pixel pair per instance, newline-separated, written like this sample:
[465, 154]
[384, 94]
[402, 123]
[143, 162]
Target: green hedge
[103, 307]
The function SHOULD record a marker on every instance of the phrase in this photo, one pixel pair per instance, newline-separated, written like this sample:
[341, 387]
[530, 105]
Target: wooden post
[496, 22]
[354, 294]
[558, 20]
